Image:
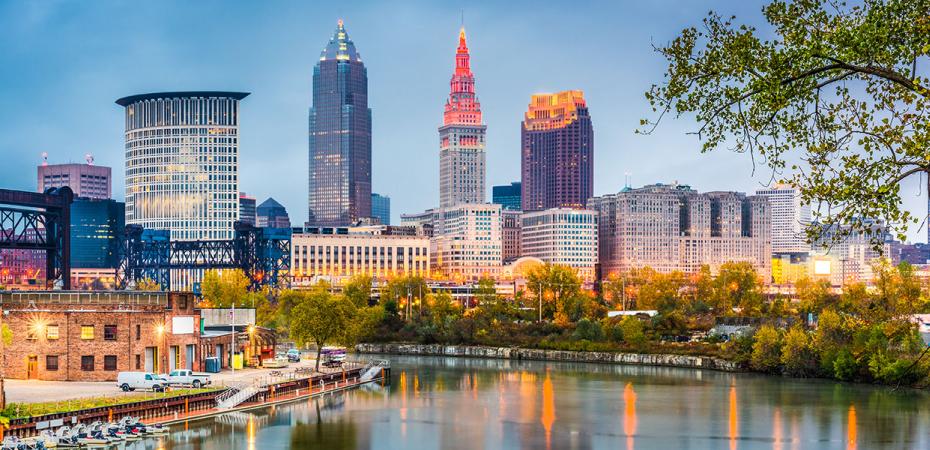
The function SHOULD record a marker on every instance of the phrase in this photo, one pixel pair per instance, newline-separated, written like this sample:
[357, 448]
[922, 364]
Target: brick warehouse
[92, 336]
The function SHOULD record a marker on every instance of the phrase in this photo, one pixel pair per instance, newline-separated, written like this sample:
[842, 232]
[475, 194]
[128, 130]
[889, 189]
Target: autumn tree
[358, 290]
[225, 289]
[559, 289]
[830, 96]
[814, 295]
[321, 318]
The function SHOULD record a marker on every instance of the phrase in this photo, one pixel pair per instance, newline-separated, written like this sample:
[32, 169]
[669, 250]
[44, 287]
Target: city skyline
[80, 69]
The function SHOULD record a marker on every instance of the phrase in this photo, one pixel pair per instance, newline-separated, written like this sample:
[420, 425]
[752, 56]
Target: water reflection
[454, 403]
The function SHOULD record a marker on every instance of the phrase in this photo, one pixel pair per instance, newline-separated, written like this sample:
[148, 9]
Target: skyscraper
[461, 137]
[272, 214]
[340, 136]
[182, 162]
[86, 180]
[246, 208]
[557, 161]
[381, 208]
[790, 218]
[508, 196]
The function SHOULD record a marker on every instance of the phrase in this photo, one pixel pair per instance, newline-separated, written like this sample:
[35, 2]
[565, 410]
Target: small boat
[86, 438]
[99, 429]
[135, 425]
[64, 438]
[15, 443]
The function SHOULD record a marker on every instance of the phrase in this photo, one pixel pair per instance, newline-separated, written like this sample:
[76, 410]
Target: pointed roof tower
[462, 107]
[340, 47]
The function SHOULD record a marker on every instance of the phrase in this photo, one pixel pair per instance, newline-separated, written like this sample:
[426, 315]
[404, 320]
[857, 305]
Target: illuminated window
[51, 332]
[87, 332]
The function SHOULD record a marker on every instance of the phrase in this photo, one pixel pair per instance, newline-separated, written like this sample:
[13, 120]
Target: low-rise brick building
[92, 336]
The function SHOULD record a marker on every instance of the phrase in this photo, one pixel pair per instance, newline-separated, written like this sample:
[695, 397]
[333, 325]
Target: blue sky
[65, 62]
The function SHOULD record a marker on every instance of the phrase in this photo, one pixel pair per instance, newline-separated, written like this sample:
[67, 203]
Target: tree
[322, 318]
[737, 284]
[559, 288]
[226, 289]
[766, 349]
[358, 290]
[798, 355]
[815, 295]
[400, 289]
[829, 97]
[147, 285]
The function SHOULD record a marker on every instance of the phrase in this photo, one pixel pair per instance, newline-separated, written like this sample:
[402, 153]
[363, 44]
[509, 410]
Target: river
[436, 402]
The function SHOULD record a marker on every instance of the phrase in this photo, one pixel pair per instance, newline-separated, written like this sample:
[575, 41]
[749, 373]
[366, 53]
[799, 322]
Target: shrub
[798, 354]
[633, 333]
[845, 366]
[588, 330]
[766, 350]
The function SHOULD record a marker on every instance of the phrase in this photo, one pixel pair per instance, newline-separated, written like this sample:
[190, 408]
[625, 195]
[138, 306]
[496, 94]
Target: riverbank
[475, 351]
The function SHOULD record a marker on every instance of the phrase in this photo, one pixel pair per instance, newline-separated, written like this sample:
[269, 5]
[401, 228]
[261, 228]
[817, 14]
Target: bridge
[263, 254]
[40, 222]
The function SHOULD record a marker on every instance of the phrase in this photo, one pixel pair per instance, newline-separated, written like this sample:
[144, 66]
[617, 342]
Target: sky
[66, 62]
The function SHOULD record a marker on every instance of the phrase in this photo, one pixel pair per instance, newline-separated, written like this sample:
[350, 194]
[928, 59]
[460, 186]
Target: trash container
[213, 365]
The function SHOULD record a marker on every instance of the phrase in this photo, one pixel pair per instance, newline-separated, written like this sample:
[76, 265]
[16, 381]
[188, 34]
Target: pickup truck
[184, 377]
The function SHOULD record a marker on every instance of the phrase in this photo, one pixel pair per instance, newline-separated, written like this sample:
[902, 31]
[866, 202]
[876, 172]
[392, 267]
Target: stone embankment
[644, 359]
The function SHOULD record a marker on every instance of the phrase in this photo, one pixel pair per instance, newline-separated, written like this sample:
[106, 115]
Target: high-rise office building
[182, 166]
[272, 214]
[562, 236]
[86, 180]
[510, 235]
[96, 228]
[247, 208]
[673, 227]
[340, 136]
[790, 218]
[182, 162]
[465, 241]
[381, 208]
[509, 196]
[557, 161]
[461, 137]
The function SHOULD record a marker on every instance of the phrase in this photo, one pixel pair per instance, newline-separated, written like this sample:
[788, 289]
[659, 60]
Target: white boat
[15, 443]
[86, 438]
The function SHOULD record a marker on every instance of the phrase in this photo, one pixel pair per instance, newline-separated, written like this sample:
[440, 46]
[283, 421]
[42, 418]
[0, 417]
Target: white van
[130, 381]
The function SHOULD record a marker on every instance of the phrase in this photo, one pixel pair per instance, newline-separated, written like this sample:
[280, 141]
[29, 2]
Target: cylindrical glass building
[182, 162]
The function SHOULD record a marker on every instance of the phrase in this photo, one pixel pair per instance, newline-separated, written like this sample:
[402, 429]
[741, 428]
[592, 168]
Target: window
[87, 332]
[109, 362]
[109, 332]
[51, 333]
[138, 334]
[138, 361]
[51, 362]
[87, 363]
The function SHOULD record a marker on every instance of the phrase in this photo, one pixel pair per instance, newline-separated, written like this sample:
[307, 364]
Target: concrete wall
[695, 362]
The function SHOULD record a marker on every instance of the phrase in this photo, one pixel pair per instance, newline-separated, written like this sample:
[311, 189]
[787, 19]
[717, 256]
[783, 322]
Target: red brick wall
[69, 347]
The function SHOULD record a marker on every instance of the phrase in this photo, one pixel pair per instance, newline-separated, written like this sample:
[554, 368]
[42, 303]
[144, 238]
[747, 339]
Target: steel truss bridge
[263, 254]
[40, 223]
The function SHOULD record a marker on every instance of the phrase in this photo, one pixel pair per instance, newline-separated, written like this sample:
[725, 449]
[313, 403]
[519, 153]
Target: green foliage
[737, 285]
[845, 367]
[588, 330]
[7, 334]
[358, 290]
[829, 97]
[798, 355]
[321, 318]
[633, 332]
[560, 289]
[226, 288]
[766, 350]
[814, 295]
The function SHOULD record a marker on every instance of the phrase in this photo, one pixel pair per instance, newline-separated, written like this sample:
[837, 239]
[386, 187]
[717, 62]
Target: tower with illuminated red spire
[461, 137]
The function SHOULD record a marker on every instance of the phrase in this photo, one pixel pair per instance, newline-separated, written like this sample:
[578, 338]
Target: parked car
[293, 355]
[130, 381]
[185, 377]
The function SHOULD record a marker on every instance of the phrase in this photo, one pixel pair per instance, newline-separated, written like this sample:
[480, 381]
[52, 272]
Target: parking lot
[28, 391]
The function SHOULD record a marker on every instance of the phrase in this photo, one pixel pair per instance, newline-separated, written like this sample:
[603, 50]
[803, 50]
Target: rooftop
[126, 101]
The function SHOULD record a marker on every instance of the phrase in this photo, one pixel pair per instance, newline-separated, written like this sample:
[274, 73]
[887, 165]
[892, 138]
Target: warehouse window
[109, 362]
[109, 332]
[87, 332]
[87, 363]
[51, 362]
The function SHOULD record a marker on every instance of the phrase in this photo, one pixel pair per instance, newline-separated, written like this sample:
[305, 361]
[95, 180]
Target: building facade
[381, 208]
[336, 254]
[96, 229]
[790, 218]
[562, 236]
[461, 137]
[340, 136]
[673, 227]
[848, 255]
[272, 214]
[182, 163]
[509, 196]
[247, 207]
[557, 160]
[510, 235]
[466, 241]
[92, 336]
[86, 180]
